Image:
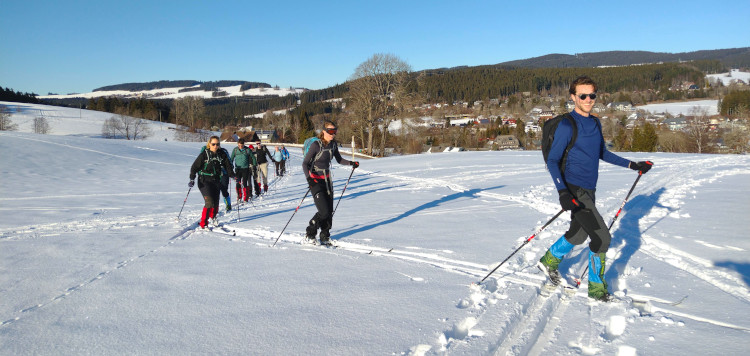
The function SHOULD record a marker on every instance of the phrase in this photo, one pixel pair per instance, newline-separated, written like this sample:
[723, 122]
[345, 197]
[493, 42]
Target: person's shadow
[471, 193]
[742, 268]
[628, 237]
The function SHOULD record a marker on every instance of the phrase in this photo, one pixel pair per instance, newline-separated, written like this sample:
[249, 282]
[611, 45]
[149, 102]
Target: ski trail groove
[530, 331]
[182, 235]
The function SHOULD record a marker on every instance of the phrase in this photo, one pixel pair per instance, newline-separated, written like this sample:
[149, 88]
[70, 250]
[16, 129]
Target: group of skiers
[248, 165]
[572, 161]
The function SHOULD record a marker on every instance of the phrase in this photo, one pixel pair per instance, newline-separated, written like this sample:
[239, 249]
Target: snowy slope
[728, 78]
[74, 122]
[174, 93]
[94, 260]
[688, 108]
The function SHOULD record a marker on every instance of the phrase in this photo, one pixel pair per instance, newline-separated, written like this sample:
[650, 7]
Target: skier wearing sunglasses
[317, 169]
[576, 186]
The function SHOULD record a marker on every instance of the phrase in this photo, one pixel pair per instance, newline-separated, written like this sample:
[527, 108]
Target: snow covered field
[94, 260]
[711, 107]
[728, 78]
[174, 93]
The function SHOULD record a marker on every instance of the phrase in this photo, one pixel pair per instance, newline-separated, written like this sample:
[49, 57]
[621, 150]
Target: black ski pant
[210, 189]
[243, 177]
[251, 185]
[278, 169]
[587, 222]
[322, 194]
[224, 180]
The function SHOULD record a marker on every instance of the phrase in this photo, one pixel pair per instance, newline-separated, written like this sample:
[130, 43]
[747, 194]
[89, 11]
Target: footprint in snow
[413, 279]
[616, 326]
[460, 331]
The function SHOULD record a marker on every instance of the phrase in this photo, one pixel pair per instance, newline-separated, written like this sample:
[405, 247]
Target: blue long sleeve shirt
[582, 166]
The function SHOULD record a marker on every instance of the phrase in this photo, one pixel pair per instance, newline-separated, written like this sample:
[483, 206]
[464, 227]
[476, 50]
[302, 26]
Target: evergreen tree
[645, 139]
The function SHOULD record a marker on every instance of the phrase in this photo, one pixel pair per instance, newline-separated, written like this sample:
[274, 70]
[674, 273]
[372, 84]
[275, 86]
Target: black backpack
[548, 135]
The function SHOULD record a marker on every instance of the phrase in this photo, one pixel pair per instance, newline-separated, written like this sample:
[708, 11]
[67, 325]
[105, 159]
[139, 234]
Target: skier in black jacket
[208, 165]
[317, 168]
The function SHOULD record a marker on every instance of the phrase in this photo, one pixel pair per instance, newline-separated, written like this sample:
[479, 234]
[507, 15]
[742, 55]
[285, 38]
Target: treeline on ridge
[731, 57]
[8, 94]
[478, 83]
[208, 86]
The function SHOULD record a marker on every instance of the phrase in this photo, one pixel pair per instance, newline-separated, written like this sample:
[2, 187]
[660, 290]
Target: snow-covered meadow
[174, 93]
[688, 108]
[94, 260]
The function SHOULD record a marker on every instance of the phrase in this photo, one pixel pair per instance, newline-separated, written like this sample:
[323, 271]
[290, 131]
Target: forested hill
[731, 57]
[183, 84]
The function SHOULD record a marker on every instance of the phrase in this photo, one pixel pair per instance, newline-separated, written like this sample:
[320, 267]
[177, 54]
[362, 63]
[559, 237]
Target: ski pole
[290, 219]
[342, 192]
[522, 245]
[183, 203]
[242, 186]
[578, 281]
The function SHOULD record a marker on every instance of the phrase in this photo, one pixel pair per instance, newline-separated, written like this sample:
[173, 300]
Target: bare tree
[189, 110]
[374, 87]
[41, 126]
[5, 122]
[697, 129]
[187, 134]
[111, 127]
[126, 127]
[673, 141]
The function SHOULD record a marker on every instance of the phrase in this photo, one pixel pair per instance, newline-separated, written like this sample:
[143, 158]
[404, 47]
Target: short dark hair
[582, 80]
[241, 141]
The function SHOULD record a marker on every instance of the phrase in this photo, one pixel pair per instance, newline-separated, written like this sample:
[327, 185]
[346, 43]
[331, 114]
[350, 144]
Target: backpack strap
[573, 137]
[206, 162]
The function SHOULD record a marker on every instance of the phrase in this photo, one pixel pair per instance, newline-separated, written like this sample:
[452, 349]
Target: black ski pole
[183, 203]
[242, 192]
[522, 245]
[290, 219]
[342, 192]
[578, 281]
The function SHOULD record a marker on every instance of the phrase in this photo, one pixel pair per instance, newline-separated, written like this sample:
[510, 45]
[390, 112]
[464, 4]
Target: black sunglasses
[331, 131]
[583, 96]
[214, 143]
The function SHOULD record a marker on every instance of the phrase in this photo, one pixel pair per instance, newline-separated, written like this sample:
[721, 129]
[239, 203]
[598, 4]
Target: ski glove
[311, 181]
[642, 166]
[568, 201]
[355, 164]
[191, 184]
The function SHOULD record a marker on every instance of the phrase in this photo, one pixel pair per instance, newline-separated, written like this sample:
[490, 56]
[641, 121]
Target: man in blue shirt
[576, 185]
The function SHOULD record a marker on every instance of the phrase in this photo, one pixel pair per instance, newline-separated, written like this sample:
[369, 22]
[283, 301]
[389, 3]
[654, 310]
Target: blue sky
[77, 46]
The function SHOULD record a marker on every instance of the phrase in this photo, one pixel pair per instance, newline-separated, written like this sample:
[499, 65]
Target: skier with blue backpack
[319, 151]
[573, 144]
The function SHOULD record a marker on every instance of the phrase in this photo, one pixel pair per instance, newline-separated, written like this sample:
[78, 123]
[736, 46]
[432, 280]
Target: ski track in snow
[83, 226]
[541, 315]
[77, 147]
[536, 320]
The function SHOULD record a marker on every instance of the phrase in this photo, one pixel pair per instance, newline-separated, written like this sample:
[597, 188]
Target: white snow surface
[174, 93]
[95, 261]
[731, 76]
[687, 108]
